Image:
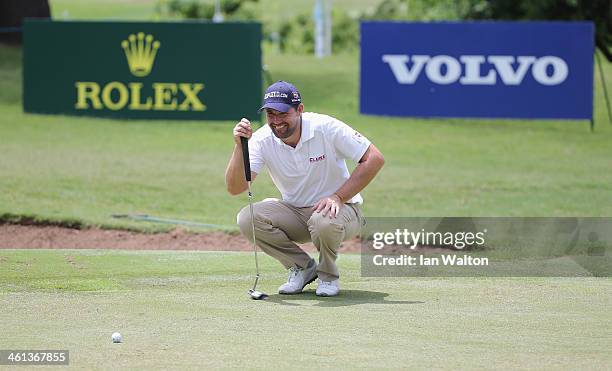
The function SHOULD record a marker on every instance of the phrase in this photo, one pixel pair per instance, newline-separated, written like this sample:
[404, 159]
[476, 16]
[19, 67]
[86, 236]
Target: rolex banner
[195, 71]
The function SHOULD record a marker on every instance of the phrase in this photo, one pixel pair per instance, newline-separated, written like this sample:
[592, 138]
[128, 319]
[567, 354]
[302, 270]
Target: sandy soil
[14, 236]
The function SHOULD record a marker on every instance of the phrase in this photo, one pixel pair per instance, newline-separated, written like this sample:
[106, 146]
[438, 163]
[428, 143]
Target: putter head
[257, 295]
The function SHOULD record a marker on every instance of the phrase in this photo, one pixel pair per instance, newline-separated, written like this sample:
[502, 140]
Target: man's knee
[244, 221]
[324, 226]
[244, 218]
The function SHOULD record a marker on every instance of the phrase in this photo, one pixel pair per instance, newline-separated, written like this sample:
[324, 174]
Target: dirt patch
[14, 236]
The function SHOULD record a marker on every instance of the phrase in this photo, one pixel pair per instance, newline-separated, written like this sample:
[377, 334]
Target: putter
[253, 293]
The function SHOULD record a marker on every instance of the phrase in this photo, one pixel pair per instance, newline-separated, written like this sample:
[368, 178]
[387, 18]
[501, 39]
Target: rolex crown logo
[140, 51]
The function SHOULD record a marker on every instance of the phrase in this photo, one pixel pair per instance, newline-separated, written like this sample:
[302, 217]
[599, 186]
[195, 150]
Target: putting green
[190, 310]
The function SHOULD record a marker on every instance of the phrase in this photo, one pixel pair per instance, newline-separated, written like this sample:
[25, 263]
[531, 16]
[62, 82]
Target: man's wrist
[339, 197]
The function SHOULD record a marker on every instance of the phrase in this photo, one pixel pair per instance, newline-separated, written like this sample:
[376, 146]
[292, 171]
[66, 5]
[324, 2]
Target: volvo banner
[478, 69]
[187, 70]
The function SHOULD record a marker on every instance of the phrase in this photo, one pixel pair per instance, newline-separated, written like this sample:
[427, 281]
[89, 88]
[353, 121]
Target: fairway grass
[75, 168]
[190, 310]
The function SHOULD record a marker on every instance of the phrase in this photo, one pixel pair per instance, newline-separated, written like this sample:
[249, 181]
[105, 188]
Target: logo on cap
[281, 96]
[275, 94]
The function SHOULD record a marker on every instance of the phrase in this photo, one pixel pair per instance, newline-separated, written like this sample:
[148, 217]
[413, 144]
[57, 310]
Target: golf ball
[116, 337]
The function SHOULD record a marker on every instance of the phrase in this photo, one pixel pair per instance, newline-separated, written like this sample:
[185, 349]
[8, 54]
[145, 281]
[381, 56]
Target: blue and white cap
[281, 96]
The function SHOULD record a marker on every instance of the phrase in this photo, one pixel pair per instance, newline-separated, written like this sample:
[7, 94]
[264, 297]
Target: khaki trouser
[278, 226]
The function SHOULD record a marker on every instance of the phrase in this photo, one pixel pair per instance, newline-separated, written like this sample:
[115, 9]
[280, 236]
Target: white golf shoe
[328, 288]
[299, 278]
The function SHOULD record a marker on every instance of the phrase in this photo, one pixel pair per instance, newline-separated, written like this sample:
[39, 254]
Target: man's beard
[286, 133]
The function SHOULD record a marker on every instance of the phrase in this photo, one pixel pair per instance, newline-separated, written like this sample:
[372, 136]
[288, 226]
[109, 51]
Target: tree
[598, 11]
[12, 14]
[196, 9]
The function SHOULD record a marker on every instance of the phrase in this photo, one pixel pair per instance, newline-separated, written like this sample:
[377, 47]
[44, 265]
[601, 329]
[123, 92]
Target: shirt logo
[358, 137]
[317, 159]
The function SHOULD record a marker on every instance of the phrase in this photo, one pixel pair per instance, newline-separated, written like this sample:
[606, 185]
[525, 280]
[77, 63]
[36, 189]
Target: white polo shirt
[316, 167]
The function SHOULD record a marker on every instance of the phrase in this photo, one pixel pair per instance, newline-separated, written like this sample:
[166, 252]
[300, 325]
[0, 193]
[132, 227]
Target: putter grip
[245, 157]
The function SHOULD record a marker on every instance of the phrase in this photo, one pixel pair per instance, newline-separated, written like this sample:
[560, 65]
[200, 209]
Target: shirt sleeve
[349, 143]
[256, 156]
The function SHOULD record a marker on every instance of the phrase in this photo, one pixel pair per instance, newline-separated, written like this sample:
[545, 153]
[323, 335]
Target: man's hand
[234, 174]
[242, 129]
[331, 205]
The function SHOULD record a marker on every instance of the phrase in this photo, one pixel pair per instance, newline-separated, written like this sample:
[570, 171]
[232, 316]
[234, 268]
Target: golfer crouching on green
[305, 155]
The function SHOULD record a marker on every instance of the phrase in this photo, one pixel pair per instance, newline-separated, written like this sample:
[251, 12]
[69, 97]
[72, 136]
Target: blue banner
[478, 69]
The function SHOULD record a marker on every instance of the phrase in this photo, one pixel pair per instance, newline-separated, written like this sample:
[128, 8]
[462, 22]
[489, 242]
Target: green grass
[190, 310]
[67, 168]
[271, 12]
[266, 10]
[106, 9]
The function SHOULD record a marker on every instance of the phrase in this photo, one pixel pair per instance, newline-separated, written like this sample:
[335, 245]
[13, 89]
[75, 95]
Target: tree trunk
[12, 14]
